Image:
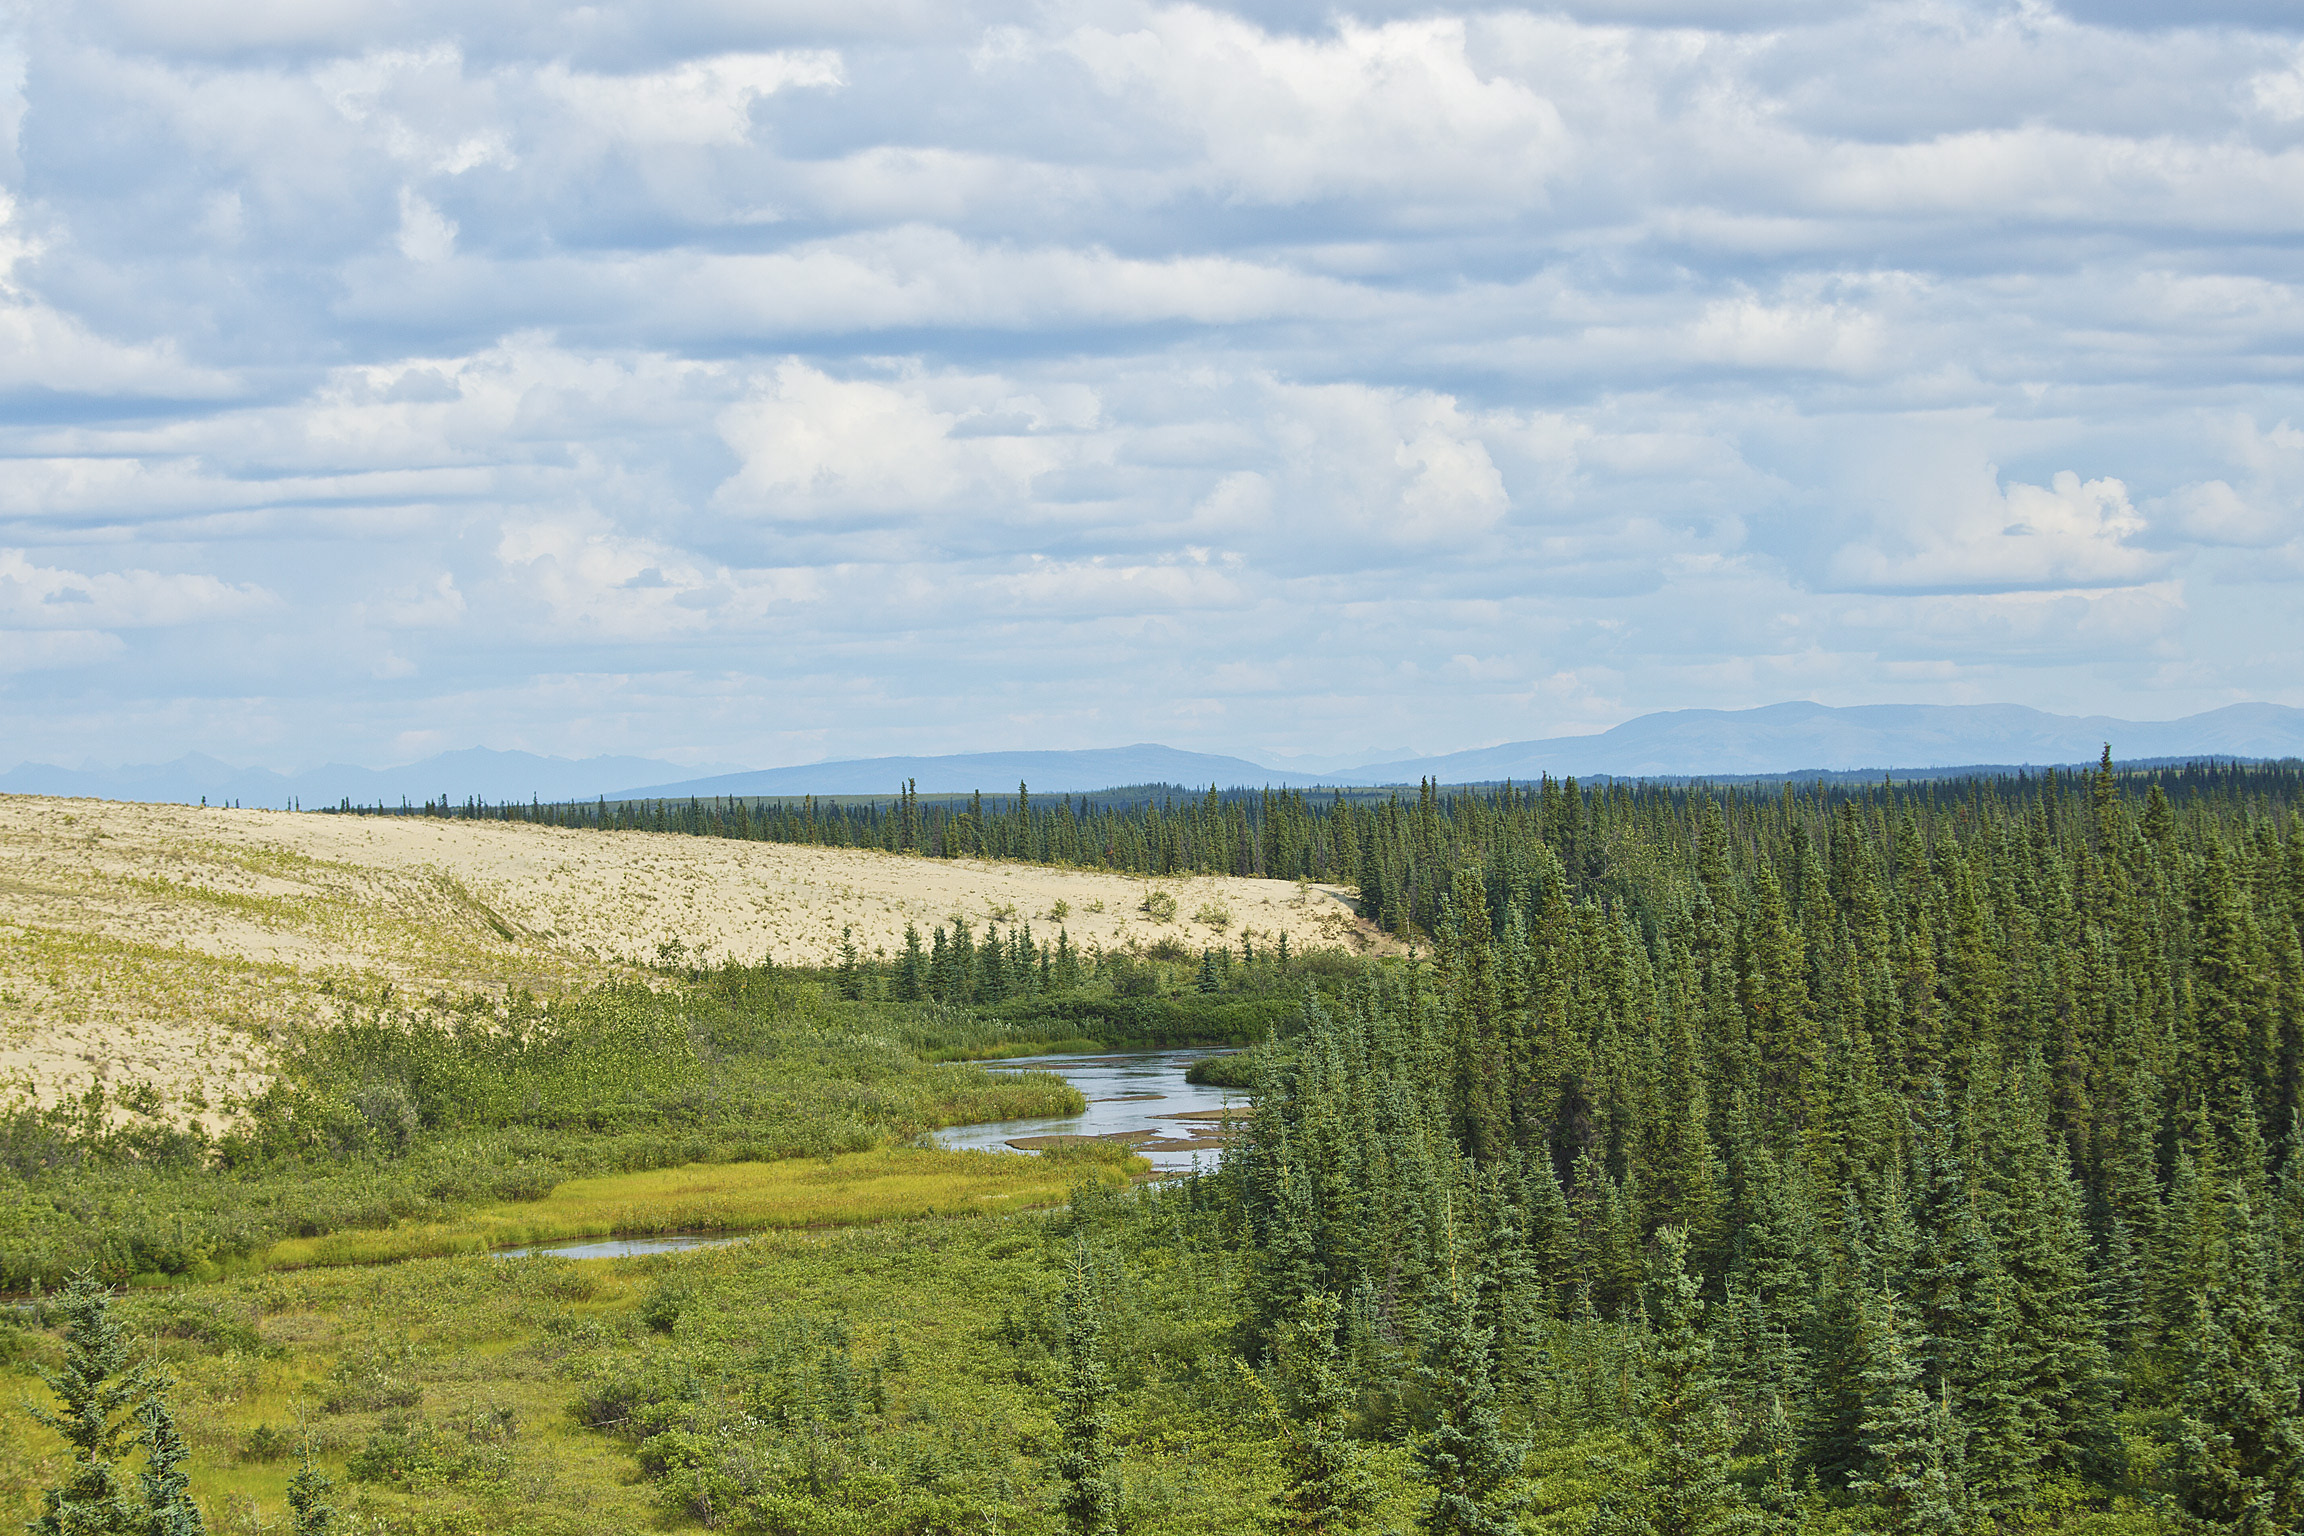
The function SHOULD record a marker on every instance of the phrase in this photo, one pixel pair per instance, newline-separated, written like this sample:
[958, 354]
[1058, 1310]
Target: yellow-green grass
[454, 1343]
[1010, 1050]
[345, 1353]
[848, 1189]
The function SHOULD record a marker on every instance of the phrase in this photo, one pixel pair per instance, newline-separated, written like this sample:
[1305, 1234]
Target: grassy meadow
[893, 1377]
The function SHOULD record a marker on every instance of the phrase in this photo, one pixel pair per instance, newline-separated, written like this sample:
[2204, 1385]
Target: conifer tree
[1329, 1487]
[168, 1507]
[94, 1388]
[911, 968]
[850, 976]
[1465, 1460]
[1687, 1429]
[1911, 1444]
[2241, 1443]
[991, 967]
[309, 1512]
[1085, 1460]
[1951, 1262]
[962, 963]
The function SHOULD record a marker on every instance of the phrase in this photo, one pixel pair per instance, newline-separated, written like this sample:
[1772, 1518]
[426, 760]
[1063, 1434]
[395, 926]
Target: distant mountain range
[1788, 738]
[495, 776]
[1057, 773]
[1686, 743]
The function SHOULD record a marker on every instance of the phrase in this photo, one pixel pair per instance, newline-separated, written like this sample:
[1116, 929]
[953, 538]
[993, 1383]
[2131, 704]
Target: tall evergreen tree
[1466, 1460]
[1687, 1429]
[95, 1390]
[2241, 1445]
[911, 968]
[1086, 1461]
[1911, 1444]
[168, 1507]
[1329, 1487]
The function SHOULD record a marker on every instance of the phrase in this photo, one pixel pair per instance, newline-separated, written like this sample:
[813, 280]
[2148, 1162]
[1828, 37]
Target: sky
[745, 383]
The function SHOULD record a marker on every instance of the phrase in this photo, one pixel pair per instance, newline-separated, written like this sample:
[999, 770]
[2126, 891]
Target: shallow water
[626, 1247]
[1128, 1091]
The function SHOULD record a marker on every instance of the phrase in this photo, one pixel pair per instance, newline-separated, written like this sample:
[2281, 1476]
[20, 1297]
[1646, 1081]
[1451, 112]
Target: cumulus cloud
[1109, 369]
[2068, 533]
[1399, 110]
[702, 101]
[42, 597]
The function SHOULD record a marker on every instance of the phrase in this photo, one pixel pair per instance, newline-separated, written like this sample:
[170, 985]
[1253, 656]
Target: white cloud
[1471, 369]
[2068, 533]
[593, 582]
[701, 102]
[812, 444]
[50, 597]
[1397, 110]
[2279, 93]
[425, 235]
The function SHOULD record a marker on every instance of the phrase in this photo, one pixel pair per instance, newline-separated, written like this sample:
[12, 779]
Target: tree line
[1400, 849]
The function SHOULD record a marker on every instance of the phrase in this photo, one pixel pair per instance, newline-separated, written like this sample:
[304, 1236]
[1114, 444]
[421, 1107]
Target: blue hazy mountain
[1780, 738]
[478, 771]
[1787, 738]
[1054, 773]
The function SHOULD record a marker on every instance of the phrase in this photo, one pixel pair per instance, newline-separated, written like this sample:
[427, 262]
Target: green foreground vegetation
[1839, 1161]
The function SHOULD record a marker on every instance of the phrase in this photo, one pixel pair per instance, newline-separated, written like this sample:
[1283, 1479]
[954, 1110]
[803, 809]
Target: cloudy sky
[744, 382]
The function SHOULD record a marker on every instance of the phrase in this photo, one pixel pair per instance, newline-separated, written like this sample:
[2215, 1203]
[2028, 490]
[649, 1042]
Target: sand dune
[166, 944]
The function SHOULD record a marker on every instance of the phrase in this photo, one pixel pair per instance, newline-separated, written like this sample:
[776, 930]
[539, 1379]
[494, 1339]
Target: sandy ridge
[167, 944]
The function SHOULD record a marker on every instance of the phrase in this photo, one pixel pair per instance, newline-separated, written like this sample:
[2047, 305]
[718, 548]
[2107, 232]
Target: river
[1137, 1096]
[1132, 1095]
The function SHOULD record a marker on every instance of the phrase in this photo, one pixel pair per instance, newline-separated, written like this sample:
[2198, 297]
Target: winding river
[1135, 1096]
[1139, 1097]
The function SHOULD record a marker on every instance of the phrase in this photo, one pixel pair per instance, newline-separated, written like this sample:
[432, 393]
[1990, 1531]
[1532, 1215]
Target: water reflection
[1140, 1096]
[1137, 1095]
[625, 1247]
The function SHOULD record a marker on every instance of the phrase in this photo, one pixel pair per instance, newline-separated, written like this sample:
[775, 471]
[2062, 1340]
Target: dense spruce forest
[1940, 1151]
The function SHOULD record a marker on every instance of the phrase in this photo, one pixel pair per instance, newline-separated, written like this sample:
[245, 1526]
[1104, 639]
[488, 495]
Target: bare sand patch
[167, 944]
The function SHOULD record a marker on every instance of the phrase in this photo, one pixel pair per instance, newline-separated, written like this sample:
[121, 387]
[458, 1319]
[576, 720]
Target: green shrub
[264, 1443]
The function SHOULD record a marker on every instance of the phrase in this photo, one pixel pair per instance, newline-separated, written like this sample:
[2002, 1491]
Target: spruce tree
[911, 968]
[309, 1512]
[2240, 1445]
[1466, 1460]
[961, 961]
[95, 1388]
[1329, 1487]
[1086, 1461]
[1911, 1467]
[1687, 1430]
[850, 977]
[168, 1506]
[991, 966]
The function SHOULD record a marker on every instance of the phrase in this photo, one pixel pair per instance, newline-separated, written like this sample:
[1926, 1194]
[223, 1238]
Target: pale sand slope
[162, 943]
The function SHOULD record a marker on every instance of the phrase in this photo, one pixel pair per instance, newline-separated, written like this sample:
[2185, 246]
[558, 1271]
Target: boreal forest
[1848, 1157]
